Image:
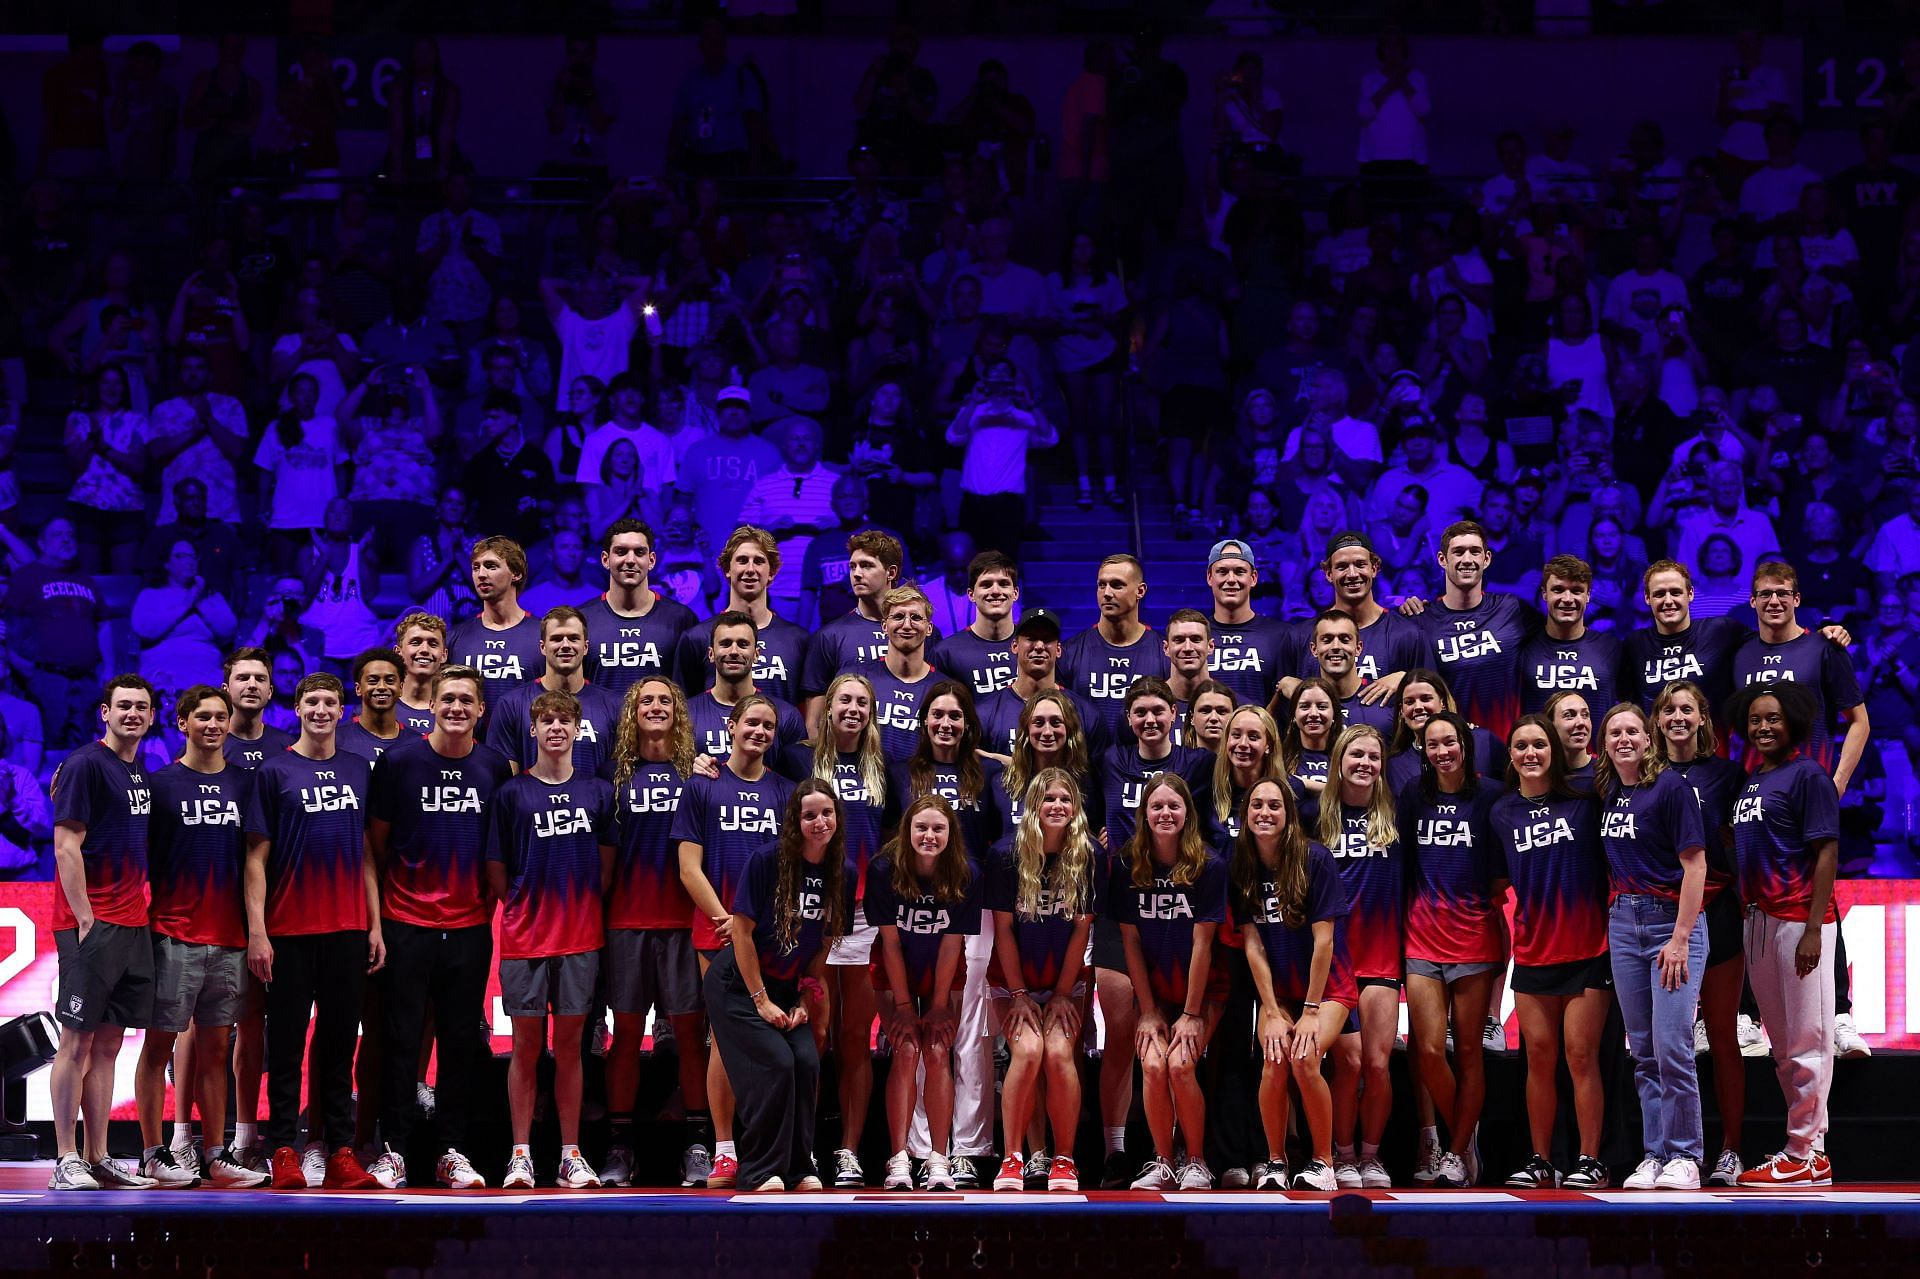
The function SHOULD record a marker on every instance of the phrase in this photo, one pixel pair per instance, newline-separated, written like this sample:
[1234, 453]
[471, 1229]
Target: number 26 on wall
[1869, 76]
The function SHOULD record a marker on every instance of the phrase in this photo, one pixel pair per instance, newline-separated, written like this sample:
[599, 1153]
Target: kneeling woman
[793, 900]
[1169, 894]
[1546, 836]
[1040, 890]
[923, 894]
[1291, 910]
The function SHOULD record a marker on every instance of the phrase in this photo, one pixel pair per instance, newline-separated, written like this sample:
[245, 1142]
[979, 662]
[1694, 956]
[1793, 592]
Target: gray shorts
[559, 984]
[106, 980]
[195, 983]
[652, 970]
[1446, 974]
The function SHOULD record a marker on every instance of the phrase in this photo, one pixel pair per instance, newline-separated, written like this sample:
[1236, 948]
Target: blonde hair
[760, 538]
[626, 745]
[1606, 778]
[1382, 828]
[1022, 767]
[908, 594]
[872, 762]
[1071, 877]
[1270, 767]
[1190, 857]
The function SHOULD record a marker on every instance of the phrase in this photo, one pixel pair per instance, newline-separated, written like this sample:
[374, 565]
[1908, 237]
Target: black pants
[318, 980]
[775, 1076]
[996, 522]
[447, 968]
[1233, 1065]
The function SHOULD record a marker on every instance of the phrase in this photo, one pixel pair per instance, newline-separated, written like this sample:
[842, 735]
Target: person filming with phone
[997, 423]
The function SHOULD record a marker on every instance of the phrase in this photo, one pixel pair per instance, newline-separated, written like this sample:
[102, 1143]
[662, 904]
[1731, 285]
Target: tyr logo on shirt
[1466, 647]
[1673, 663]
[747, 819]
[1773, 670]
[556, 822]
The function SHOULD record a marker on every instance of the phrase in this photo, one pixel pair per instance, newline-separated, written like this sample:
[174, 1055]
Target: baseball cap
[1419, 424]
[1039, 624]
[1231, 548]
[1341, 541]
[733, 395]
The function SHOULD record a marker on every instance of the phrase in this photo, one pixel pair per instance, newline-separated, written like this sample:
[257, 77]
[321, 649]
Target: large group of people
[741, 828]
[624, 604]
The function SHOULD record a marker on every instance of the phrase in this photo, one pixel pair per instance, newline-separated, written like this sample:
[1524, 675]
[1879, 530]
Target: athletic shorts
[196, 984]
[1390, 983]
[855, 950]
[1726, 931]
[1447, 974]
[1575, 977]
[558, 984]
[106, 980]
[652, 969]
[1108, 951]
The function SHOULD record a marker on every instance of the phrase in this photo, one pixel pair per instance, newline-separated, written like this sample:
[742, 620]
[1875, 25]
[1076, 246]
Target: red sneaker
[1012, 1174]
[1063, 1175]
[725, 1174]
[286, 1171]
[1820, 1169]
[1781, 1170]
[345, 1173]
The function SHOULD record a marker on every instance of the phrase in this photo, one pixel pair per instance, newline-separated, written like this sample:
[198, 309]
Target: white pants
[1798, 1014]
[973, 1094]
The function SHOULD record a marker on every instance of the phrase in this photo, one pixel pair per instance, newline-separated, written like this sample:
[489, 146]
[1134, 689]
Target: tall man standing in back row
[1101, 662]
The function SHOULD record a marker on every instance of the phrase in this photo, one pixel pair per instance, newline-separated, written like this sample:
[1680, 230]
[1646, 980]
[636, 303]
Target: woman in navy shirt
[923, 894]
[793, 899]
[1290, 912]
[1314, 720]
[1572, 721]
[1169, 893]
[1684, 736]
[1040, 888]
[1656, 862]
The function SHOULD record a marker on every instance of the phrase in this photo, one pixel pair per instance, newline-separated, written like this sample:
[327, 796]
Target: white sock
[1430, 1133]
[724, 1149]
[1116, 1138]
[1343, 1153]
[182, 1135]
[569, 1152]
[523, 1152]
[245, 1136]
[1369, 1150]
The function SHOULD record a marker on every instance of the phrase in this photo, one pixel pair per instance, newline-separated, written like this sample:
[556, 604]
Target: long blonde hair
[1382, 829]
[1191, 857]
[1223, 767]
[1022, 766]
[1071, 869]
[870, 759]
[1606, 779]
[626, 745]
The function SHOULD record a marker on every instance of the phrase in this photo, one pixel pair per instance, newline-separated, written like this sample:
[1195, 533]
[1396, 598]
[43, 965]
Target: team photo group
[1193, 869]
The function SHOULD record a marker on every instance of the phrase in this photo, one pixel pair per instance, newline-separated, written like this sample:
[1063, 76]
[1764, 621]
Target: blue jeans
[1659, 1022]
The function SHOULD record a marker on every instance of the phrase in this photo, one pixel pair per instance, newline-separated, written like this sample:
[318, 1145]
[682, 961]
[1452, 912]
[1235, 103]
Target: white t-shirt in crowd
[1395, 129]
[305, 478]
[995, 460]
[1762, 89]
[324, 372]
[657, 465]
[1352, 437]
[592, 348]
[1016, 290]
[1771, 192]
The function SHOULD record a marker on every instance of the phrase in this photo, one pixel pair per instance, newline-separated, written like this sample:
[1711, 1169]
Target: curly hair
[626, 745]
[1072, 869]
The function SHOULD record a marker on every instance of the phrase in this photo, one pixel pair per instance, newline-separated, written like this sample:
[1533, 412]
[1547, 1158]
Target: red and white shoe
[725, 1174]
[1012, 1174]
[1820, 1168]
[1063, 1174]
[1781, 1170]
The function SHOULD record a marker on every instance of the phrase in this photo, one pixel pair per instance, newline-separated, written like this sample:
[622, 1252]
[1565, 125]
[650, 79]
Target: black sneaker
[1539, 1174]
[1034, 1175]
[1117, 1171]
[966, 1176]
[1588, 1174]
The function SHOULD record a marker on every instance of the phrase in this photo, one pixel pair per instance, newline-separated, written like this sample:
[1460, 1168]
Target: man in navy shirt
[1189, 647]
[1250, 653]
[503, 642]
[1390, 645]
[750, 561]
[1036, 653]
[101, 802]
[563, 648]
[1474, 635]
[859, 636]
[377, 726]
[635, 632]
[1336, 647]
[902, 677]
[250, 742]
[1102, 662]
[1786, 650]
[730, 656]
[1568, 655]
[981, 655]
[421, 641]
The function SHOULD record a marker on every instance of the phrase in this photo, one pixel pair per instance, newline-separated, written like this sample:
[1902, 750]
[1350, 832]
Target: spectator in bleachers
[340, 574]
[1722, 585]
[437, 573]
[1186, 351]
[360, 245]
[1895, 549]
[795, 503]
[504, 331]
[884, 349]
[653, 451]
[995, 124]
[1453, 492]
[106, 451]
[1579, 360]
[1773, 190]
[596, 329]
[508, 481]
[299, 457]
[73, 101]
[56, 635]
[26, 816]
[564, 580]
[307, 111]
[997, 430]
[716, 110]
[216, 545]
[1833, 583]
[895, 102]
[114, 327]
[1008, 288]
[887, 449]
[1751, 93]
[786, 385]
[1727, 514]
[1083, 159]
[586, 408]
[500, 370]
[686, 571]
[458, 247]
[318, 350]
[198, 434]
[223, 104]
[581, 110]
[423, 118]
[723, 468]
[1394, 106]
[410, 337]
[1145, 97]
[1089, 309]
[393, 450]
[183, 626]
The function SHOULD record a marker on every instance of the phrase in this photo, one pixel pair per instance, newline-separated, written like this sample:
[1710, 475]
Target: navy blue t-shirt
[1102, 672]
[623, 650]
[272, 741]
[1702, 653]
[435, 808]
[753, 897]
[923, 921]
[776, 667]
[846, 643]
[984, 665]
[1586, 666]
[711, 735]
[1250, 657]
[1816, 664]
[729, 817]
[896, 707]
[503, 658]
[1478, 650]
[510, 728]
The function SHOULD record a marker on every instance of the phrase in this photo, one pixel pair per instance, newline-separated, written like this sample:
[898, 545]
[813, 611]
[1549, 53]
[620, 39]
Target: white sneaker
[1373, 1175]
[1753, 1039]
[1195, 1175]
[226, 1171]
[453, 1171]
[423, 1097]
[1644, 1175]
[1316, 1176]
[1346, 1173]
[1269, 1176]
[390, 1170]
[1700, 1045]
[576, 1174]
[899, 1172]
[519, 1174]
[1495, 1039]
[1846, 1040]
[191, 1157]
[72, 1173]
[1235, 1179]
[1726, 1170]
[936, 1173]
[164, 1167]
[1679, 1174]
[1426, 1162]
[617, 1168]
[313, 1165]
[117, 1174]
[1156, 1174]
[1452, 1174]
[770, 1185]
[696, 1165]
